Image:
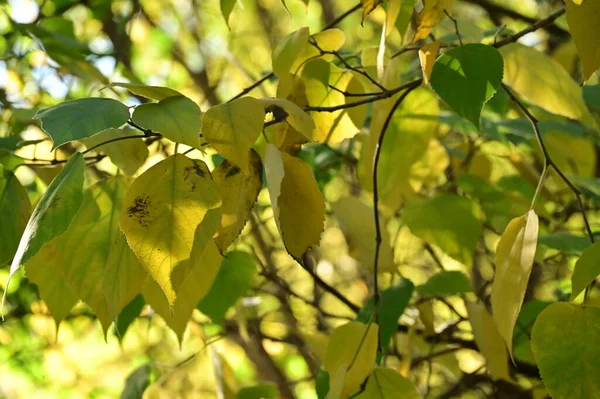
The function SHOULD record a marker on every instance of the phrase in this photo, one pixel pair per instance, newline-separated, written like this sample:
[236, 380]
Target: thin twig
[455, 26]
[112, 141]
[531, 28]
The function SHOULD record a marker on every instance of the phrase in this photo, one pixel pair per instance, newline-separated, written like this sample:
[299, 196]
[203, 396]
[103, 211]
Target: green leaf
[586, 269]
[445, 283]
[232, 282]
[128, 155]
[447, 221]
[322, 384]
[15, 209]
[177, 118]
[162, 212]
[566, 243]
[262, 391]
[233, 128]
[582, 17]
[514, 259]
[385, 383]
[286, 51]
[566, 344]
[393, 303]
[467, 77]
[227, 8]
[152, 92]
[522, 336]
[137, 382]
[238, 193]
[82, 118]
[128, 315]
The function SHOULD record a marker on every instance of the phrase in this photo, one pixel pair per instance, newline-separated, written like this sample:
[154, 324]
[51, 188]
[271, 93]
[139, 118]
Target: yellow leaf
[296, 117]
[336, 390]
[429, 170]
[332, 127]
[162, 211]
[386, 383]
[356, 221]
[391, 15]
[357, 85]
[542, 81]
[583, 17]
[233, 128]
[489, 341]
[128, 155]
[353, 345]
[367, 7]
[431, 14]
[427, 55]
[274, 173]
[327, 40]
[238, 193]
[286, 51]
[514, 259]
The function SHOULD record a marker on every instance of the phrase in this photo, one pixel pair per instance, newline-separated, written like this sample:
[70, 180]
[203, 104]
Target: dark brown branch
[531, 28]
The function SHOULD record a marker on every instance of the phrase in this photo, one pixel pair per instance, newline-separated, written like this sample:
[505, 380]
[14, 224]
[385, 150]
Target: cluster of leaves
[472, 191]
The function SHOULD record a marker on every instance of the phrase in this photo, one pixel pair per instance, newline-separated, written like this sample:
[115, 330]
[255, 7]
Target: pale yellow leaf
[274, 173]
[583, 17]
[427, 55]
[238, 193]
[354, 345]
[233, 128]
[514, 259]
[431, 15]
[296, 117]
[336, 390]
[162, 211]
[128, 155]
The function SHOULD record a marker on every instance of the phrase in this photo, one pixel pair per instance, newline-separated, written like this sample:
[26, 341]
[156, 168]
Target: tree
[402, 205]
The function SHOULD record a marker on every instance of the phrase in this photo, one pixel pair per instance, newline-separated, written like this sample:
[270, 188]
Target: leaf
[238, 193]
[353, 345]
[586, 269]
[445, 283]
[331, 127]
[232, 282]
[296, 117]
[301, 207]
[262, 391]
[286, 51]
[542, 81]
[177, 118]
[357, 222]
[431, 14]
[522, 337]
[152, 92]
[447, 221]
[404, 16]
[565, 342]
[385, 383]
[128, 155]
[489, 341]
[15, 210]
[233, 128]
[82, 118]
[427, 55]
[582, 17]
[162, 212]
[274, 173]
[467, 77]
[53, 212]
[227, 8]
[367, 7]
[128, 315]
[328, 40]
[137, 382]
[514, 259]
[393, 303]
[336, 387]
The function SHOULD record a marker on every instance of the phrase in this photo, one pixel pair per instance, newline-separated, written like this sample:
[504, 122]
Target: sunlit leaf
[274, 173]
[177, 118]
[431, 14]
[445, 283]
[467, 77]
[295, 116]
[353, 345]
[232, 282]
[153, 92]
[367, 7]
[586, 269]
[514, 259]
[427, 55]
[15, 209]
[566, 344]
[582, 17]
[162, 212]
[385, 383]
[327, 40]
[233, 128]
[489, 341]
[128, 155]
[286, 51]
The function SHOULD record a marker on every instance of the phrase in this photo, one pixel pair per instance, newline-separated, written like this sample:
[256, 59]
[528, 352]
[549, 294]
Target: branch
[532, 28]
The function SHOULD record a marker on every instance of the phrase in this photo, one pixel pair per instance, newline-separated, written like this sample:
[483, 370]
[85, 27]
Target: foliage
[401, 205]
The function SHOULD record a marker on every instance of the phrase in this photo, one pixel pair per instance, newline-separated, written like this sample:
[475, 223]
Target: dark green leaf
[322, 384]
[527, 317]
[445, 283]
[15, 209]
[137, 382]
[128, 315]
[566, 243]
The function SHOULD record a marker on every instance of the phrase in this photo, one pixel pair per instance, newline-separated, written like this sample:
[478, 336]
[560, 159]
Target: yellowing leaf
[233, 128]
[367, 7]
[153, 92]
[489, 341]
[238, 193]
[286, 51]
[295, 116]
[514, 259]
[332, 127]
[177, 118]
[356, 221]
[385, 383]
[542, 81]
[128, 155]
[431, 14]
[274, 172]
[162, 211]
[301, 207]
[336, 390]
[582, 17]
[327, 40]
[427, 55]
[391, 15]
[353, 345]
[15, 209]
[586, 269]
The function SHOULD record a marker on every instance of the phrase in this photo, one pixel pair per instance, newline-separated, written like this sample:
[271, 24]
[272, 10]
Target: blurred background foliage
[56, 50]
